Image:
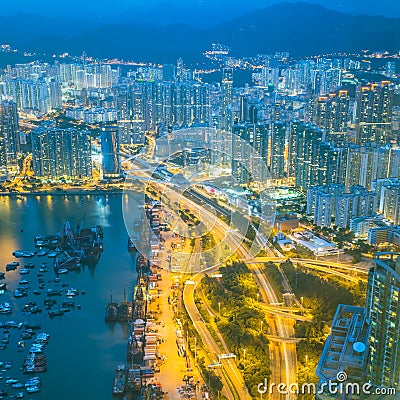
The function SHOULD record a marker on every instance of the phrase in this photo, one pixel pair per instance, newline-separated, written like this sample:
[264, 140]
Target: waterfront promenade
[172, 371]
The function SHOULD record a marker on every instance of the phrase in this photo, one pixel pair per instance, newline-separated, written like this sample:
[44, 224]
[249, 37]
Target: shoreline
[61, 193]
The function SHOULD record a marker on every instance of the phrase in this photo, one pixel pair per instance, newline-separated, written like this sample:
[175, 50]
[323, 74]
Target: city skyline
[225, 208]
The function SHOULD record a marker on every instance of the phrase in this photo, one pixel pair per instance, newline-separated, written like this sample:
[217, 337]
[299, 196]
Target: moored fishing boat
[119, 385]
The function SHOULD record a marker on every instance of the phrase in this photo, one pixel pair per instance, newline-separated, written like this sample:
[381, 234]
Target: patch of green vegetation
[275, 278]
[322, 297]
[240, 321]
[207, 241]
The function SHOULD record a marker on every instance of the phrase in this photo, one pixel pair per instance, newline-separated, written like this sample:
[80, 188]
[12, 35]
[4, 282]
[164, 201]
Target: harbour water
[83, 351]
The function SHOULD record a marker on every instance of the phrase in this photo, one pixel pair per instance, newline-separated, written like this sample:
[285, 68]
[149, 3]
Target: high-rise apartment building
[245, 165]
[244, 112]
[331, 112]
[388, 194]
[374, 112]
[278, 143]
[307, 140]
[59, 152]
[9, 135]
[109, 150]
[332, 205]
[383, 316]
[34, 96]
[226, 98]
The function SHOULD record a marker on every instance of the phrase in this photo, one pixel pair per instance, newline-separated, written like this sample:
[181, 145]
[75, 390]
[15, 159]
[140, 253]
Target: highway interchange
[282, 347]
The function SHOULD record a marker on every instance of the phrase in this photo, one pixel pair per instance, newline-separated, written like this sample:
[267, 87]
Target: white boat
[36, 348]
[5, 308]
[35, 381]
[62, 271]
[19, 293]
[32, 388]
[24, 271]
[52, 254]
[72, 292]
[42, 337]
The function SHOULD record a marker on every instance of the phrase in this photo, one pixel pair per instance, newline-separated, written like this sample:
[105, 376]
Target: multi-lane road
[283, 355]
[283, 359]
[234, 386]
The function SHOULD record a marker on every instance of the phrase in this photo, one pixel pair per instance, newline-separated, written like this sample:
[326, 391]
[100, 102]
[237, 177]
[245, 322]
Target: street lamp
[244, 358]
[261, 323]
[258, 295]
[301, 302]
[219, 309]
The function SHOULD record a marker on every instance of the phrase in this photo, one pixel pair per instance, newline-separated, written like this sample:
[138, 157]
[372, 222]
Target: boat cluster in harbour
[30, 287]
[35, 361]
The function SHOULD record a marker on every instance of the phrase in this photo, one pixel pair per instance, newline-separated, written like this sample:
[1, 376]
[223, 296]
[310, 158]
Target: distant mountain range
[300, 28]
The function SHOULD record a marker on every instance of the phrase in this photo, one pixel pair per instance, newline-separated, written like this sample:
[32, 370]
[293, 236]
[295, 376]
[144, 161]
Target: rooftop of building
[345, 349]
[389, 261]
[286, 217]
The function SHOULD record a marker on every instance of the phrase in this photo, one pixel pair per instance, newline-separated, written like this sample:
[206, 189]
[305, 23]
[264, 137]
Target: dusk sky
[224, 8]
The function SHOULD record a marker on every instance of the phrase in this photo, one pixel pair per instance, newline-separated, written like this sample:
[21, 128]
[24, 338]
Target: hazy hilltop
[300, 28]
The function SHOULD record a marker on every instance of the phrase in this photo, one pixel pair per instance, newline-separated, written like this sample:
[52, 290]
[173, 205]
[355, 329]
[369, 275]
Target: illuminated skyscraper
[390, 69]
[253, 114]
[308, 140]
[246, 165]
[388, 192]
[34, 96]
[227, 98]
[55, 99]
[374, 112]
[179, 76]
[278, 142]
[243, 110]
[292, 153]
[331, 112]
[331, 204]
[109, 151]
[60, 152]
[9, 136]
[383, 314]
